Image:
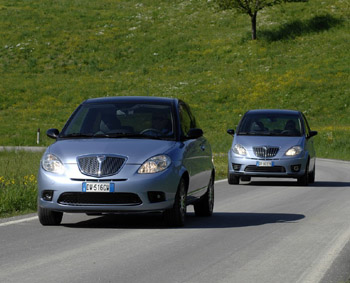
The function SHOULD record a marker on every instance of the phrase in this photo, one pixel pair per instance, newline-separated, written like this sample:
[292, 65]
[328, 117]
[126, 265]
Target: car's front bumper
[279, 167]
[132, 193]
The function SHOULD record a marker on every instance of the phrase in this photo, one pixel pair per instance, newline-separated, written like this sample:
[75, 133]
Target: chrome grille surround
[100, 165]
[265, 151]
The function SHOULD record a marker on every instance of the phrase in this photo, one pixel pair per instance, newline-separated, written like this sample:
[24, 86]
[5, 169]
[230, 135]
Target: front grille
[274, 169]
[100, 165]
[265, 151]
[80, 198]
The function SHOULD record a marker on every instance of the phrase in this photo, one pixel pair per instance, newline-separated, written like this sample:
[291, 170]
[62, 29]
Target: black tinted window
[270, 124]
[123, 118]
[186, 119]
[306, 126]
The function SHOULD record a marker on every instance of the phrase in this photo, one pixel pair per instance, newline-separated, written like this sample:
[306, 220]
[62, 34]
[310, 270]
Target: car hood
[284, 143]
[137, 151]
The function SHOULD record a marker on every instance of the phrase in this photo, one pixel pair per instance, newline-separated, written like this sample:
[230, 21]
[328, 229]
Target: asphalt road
[269, 230]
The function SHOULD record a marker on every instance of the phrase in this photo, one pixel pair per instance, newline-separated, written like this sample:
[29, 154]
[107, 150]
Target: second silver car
[272, 143]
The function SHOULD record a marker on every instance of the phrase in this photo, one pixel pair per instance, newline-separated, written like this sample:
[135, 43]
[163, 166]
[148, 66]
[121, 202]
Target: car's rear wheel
[49, 217]
[205, 206]
[176, 216]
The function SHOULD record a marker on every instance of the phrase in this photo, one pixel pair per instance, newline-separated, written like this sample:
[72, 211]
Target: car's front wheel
[176, 216]
[232, 179]
[304, 180]
[312, 176]
[205, 206]
[49, 217]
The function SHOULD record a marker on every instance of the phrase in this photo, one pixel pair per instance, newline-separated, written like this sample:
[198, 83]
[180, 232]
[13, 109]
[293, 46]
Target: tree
[250, 7]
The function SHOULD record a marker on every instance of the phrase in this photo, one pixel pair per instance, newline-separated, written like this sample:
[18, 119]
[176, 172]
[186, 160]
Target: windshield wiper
[250, 134]
[77, 135]
[115, 136]
[119, 135]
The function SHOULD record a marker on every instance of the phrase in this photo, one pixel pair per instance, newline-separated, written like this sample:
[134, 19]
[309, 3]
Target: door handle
[202, 147]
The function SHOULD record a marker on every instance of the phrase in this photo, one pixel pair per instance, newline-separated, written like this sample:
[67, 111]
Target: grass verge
[18, 182]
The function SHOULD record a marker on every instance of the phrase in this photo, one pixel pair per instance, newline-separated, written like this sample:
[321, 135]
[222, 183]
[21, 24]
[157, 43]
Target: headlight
[155, 164]
[52, 163]
[239, 149]
[293, 151]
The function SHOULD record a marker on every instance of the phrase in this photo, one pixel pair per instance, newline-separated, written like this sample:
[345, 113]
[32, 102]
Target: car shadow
[241, 219]
[332, 184]
[272, 183]
[217, 220]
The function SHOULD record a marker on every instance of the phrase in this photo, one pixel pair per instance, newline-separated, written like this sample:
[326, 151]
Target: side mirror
[52, 133]
[313, 133]
[231, 132]
[194, 133]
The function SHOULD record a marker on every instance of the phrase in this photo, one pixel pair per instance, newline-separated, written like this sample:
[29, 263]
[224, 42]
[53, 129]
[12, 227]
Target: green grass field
[55, 54]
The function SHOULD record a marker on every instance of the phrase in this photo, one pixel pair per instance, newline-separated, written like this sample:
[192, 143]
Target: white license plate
[96, 187]
[264, 163]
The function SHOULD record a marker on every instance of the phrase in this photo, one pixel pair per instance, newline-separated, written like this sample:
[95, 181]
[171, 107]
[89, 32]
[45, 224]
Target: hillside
[55, 54]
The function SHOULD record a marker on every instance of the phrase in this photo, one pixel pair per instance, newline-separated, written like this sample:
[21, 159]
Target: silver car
[272, 143]
[127, 155]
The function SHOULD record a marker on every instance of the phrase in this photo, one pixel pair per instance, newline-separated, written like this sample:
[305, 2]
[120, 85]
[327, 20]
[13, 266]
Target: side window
[186, 119]
[306, 126]
[193, 119]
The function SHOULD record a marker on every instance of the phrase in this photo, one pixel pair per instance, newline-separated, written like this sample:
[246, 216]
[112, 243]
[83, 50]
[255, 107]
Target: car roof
[273, 111]
[130, 99]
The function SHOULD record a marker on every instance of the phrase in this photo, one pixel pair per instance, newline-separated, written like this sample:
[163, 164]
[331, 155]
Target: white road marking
[321, 265]
[220, 181]
[18, 221]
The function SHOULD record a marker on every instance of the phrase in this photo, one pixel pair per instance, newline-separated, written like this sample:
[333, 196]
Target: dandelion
[29, 180]
[32, 179]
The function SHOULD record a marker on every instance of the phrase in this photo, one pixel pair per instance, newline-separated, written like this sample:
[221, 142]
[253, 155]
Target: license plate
[264, 163]
[98, 187]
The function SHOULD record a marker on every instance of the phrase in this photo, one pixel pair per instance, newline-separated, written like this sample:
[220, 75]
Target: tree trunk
[253, 19]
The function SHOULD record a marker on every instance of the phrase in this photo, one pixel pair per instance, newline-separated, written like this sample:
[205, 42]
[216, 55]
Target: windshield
[264, 124]
[120, 120]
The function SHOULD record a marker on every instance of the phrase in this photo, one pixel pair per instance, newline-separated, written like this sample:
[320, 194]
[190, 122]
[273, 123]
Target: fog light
[47, 195]
[236, 167]
[156, 196]
[296, 168]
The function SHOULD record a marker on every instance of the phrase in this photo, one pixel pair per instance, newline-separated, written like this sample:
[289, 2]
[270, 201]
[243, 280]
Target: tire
[312, 176]
[205, 206]
[304, 180]
[175, 217]
[48, 217]
[232, 179]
